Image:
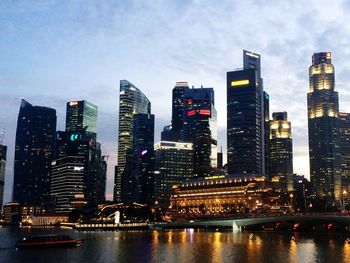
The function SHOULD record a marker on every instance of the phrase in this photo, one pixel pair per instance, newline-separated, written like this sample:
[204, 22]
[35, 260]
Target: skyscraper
[173, 165]
[344, 131]
[131, 101]
[200, 128]
[246, 118]
[81, 117]
[138, 177]
[35, 137]
[323, 108]
[3, 151]
[177, 119]
[281, 151]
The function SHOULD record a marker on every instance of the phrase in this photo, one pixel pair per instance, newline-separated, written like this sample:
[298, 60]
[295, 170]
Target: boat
[48, 241]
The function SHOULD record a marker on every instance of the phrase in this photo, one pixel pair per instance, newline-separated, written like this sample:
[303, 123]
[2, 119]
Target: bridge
[293, 221]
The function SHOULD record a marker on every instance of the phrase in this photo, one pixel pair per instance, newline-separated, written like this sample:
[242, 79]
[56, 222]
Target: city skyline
[91, 56]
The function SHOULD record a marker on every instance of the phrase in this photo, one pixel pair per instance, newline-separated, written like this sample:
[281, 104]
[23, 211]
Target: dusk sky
[55, 51]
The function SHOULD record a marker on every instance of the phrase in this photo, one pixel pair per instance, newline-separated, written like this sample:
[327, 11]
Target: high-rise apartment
[35, 138]
[323, 108]
[131, 101]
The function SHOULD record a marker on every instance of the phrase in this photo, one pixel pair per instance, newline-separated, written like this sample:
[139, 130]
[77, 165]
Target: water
[181, 246]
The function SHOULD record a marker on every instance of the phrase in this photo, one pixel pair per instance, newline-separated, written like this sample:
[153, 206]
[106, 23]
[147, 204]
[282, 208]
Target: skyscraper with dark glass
[131, 101]
[138, 177]
[281, 152]
[246, 118]
[3, 151]
[344, 131]
[323, 108]
[200, 128]
[177, 120]
[35, 138]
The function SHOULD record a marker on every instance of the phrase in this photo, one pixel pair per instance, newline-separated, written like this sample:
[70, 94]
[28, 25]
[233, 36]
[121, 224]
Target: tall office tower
[173, 165]
[245, 118]
[344, 131]
[3, 151]
[200, 128]
[266, 108]
[131, 101]
[322, 101]
[177, 119]
[35, 138]
[68, 186]
[138, 177]
[281, 151]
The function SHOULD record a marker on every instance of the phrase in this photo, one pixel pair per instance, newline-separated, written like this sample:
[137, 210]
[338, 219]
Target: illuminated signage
[143, 152]
[73, 103]
[341, 114]
[204, 112]
[242, 82]
[189, 101]
[191, 113]
[74, 137]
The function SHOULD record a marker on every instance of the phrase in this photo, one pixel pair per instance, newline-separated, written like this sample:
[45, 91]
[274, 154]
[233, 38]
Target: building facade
[173, 165]
[131, 101]
[138, 177]
[344, 131]
[246, 118]
[323, 108]
[3, 152]
[35, 138]
[281, 152]
[200, 128]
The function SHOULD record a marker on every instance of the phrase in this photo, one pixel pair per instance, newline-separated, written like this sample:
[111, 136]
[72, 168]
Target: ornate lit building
[223, 195]
[323, 108]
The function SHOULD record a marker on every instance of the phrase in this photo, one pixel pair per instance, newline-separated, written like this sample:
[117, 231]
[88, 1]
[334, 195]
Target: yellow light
[73, 103]
[242, 82]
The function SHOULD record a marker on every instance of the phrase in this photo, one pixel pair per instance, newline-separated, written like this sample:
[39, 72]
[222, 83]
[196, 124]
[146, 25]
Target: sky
[52, 52]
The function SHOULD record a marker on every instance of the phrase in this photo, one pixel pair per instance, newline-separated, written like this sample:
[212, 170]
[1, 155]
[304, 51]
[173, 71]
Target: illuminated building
[35, 137]
[81, 117]
[131, 101]
[302, 191]
[281, 151]
[178, 105]
[266, 108]
[200, 128]
[68, 187]
[324, 152]
[3, 151]
[173, 165]
[138, 177]
[222, 195]
[246, 118]
[220, 159]
[344, 131]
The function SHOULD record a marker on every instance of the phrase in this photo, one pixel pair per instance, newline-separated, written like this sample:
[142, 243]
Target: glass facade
[200, 128]
[35, 137]
[281, 152]
[323, 108]
[177, 120]
[344, 131]
[246, 118]
[173, 165]
[131, 101]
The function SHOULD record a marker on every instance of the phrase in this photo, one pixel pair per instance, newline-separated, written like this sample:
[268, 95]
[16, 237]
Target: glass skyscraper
[35, 137]
[200, 128]
[246, 118]
[131, 101]
[281, 152]
[344, 131]
[323, 108]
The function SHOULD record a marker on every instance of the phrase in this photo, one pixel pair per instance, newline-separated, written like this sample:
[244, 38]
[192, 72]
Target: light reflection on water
[187, 245]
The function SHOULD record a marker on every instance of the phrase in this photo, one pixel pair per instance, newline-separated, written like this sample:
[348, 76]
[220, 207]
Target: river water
[181, 246]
